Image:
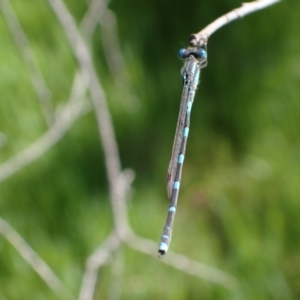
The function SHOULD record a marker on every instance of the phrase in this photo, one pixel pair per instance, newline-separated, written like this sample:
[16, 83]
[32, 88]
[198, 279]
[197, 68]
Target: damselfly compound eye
[202, 53]
[182, 53]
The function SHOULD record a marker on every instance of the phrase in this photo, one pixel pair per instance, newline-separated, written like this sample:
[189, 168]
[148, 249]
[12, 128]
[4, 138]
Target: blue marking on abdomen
[176, 185]
[189, 107]
[186, 131]
[181, 158]
[163, 247]
[172, 209]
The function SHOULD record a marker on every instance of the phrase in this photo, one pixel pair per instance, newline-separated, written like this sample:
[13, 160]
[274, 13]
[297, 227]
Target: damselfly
[195, 60]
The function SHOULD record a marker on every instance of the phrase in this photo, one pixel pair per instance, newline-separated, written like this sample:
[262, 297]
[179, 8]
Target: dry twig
[105, 127]
[34, 261]
[238, 13]
[183, 263]
[64, 121]
[94, 262]
[99, 13]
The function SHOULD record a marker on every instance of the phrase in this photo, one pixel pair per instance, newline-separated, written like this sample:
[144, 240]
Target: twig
[27, 54]
[105, 127]
[34, 261]
[246, 8]
[98, 12]
[94, 262]
[92, 17]
[117, 272]
[116, 63]
[183, 263]
[64, 121]
[104, 252]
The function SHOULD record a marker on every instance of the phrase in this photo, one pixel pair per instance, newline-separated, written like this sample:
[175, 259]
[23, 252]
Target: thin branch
[92, 17]
[34, 261]
[27, 54]
[117, 273]
[116, 62]
[98, 12]
[64, 121]
[105, 127]
[246, 8]
[94, 263]
[104, 252]
[183, 263]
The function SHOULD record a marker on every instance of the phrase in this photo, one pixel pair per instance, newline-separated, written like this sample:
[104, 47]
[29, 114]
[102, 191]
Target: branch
[94, 263]
[99, 13]
[64, 121]
[34, 261]
[202, 36]
[96, 10]
[105, 127]
[183, 263]
[117, 272]
[104, 252]
[27, 54]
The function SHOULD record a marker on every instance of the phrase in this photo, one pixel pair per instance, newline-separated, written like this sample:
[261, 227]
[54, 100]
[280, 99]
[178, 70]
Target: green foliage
[239, 202]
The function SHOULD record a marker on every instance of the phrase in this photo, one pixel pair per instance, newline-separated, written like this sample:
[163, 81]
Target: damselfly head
[198, 53]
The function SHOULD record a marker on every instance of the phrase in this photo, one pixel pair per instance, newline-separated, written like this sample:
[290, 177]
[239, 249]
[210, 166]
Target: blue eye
[202, 53]
[182, 53]
[197, 53]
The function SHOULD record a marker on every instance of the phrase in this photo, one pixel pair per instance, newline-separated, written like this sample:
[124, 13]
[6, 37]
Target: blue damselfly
[195, 59]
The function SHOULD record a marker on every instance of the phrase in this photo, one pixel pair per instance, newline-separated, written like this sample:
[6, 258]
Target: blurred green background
[239, 202]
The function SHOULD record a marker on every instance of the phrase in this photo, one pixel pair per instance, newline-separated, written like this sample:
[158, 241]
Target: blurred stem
[202, 36]
[34, 261]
